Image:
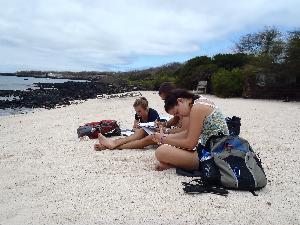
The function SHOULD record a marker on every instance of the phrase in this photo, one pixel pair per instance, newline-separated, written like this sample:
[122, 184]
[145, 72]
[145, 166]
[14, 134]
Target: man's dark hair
[166, 88]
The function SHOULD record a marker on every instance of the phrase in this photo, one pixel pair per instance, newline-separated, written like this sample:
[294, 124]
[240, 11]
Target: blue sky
[121, 35]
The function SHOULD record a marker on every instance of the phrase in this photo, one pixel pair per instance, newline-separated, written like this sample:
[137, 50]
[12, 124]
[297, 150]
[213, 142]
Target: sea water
[23, 83]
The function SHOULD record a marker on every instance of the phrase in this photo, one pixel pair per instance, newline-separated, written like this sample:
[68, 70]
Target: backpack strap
[254, 193]
[198, 186]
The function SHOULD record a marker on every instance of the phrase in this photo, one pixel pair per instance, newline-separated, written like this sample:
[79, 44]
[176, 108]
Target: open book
[149, 127]
[127, 132]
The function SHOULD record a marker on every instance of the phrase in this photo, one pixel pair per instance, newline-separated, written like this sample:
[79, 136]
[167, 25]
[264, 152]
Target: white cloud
[96, 35]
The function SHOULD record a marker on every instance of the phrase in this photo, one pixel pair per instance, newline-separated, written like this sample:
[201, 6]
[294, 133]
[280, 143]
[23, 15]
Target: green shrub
[195, 69]
[228, 83]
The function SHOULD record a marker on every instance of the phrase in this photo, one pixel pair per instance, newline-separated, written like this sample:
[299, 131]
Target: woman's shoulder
[202, 108]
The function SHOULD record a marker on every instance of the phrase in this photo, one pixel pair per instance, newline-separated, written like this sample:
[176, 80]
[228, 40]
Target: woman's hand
[164, 129]
[158, 137]
[160, 124]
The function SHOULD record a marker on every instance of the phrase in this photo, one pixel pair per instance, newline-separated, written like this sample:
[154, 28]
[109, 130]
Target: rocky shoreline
[51, 95]
[107, 77]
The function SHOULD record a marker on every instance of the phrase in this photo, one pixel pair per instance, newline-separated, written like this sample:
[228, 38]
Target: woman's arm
[197, 116]
[181, 134]
[183, 124]
[173, 121]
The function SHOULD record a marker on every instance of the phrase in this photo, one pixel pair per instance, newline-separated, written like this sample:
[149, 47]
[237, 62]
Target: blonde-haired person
[143, 114]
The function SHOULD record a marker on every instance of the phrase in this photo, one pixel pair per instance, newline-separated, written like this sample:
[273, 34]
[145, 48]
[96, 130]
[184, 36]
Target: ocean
[22, 83]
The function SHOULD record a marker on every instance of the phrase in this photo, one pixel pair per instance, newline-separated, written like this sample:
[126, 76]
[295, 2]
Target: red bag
[106, 127]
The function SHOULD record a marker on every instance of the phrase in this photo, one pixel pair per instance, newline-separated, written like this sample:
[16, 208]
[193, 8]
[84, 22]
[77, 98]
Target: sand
[49, 176]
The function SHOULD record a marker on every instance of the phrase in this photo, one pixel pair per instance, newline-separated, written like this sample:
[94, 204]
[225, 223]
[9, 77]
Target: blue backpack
[226, 162]
[230, 161]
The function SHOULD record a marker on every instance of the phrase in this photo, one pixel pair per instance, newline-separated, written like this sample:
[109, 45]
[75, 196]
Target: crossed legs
[170, 156]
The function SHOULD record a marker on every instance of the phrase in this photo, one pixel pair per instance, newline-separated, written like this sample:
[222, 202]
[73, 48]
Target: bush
[195, 69]
[228, 83]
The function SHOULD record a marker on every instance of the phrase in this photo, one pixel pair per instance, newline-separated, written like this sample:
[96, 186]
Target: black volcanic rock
[50, 95]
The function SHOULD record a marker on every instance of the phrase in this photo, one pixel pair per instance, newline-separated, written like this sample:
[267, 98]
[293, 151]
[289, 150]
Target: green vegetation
[194, 70]
[265, 64]
[151, 79]
[228, 83]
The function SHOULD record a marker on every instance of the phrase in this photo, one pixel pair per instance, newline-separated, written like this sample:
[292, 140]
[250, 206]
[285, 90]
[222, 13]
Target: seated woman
[143, 114]
[205, 119]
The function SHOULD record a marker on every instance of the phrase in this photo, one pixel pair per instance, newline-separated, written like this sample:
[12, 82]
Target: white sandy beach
[49, 176]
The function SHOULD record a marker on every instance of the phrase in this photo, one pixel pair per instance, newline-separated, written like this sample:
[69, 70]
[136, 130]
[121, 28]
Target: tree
[293, 48]
[230, 61]
[267, 43]
[292, 59]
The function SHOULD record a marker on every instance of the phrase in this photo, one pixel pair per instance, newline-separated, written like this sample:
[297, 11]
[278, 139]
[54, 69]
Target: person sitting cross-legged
[140, 139]
[205, 119]
[143, 114]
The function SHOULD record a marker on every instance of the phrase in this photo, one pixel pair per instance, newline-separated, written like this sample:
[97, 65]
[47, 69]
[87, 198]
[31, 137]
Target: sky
[124, 35]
